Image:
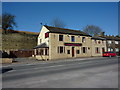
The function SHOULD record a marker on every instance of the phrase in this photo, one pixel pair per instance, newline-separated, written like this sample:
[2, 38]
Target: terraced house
[58, 43]
[98, 46]
[112, 43]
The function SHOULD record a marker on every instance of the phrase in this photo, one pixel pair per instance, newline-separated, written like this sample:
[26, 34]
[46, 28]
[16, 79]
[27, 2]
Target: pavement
[73, 73]
[31, 61]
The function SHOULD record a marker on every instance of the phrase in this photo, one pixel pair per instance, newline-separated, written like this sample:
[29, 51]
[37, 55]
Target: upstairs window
[83, 39]
[116, 42]
[72, 38]
[37, 52]
[60, 37]
[109, 42]
[98, 42]
[46, 35]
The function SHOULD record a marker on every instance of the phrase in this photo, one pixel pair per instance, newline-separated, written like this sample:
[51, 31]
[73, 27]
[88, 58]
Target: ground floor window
[36, 51]
[108, 49]
[97, 50]
[117, 49]
[61, 49]
[84, 49]
[46, 51]
[68, 51]
[111, 49]
[78, 51]
[41, 52]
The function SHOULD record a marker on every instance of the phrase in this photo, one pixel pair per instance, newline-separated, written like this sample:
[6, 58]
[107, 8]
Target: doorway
[73, 53]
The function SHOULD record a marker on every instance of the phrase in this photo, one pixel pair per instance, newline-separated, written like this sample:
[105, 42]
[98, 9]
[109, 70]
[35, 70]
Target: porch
[41, 52]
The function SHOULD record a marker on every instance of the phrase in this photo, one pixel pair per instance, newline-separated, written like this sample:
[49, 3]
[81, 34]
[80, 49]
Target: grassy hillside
[19, 40]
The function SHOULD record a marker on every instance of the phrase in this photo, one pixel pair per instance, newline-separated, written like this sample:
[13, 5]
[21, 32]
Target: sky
[76, 15]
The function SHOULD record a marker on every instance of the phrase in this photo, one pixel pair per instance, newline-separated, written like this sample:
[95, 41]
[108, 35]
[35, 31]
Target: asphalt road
[93, 73]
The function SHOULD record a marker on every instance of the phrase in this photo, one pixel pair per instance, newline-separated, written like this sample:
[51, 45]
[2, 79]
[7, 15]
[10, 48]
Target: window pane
[72, 38]
[46, 35]
[78, 51]
[108, 49]
[61, 49]
[46, 51]
[83, 39]
[98, 42]
[116, 42]
[84, 50]
[60, 37]
[117, 49]
[97, 50]
[41, 52]
[109, 42]
[68, 51]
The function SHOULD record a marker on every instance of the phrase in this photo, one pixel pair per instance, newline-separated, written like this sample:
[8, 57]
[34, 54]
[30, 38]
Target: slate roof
[111, 38]
[42, 45]
[65, 31]
[98, 38]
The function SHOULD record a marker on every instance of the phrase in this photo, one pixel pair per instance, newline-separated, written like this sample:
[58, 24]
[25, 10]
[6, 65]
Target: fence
[21, 53]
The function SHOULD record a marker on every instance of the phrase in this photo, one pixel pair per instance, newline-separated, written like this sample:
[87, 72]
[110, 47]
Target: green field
[19, 41]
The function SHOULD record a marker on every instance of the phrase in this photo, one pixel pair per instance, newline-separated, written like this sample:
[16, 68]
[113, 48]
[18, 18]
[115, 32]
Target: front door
[72, 51]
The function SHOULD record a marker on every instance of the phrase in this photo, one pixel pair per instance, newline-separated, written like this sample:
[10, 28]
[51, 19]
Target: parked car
[109, 54]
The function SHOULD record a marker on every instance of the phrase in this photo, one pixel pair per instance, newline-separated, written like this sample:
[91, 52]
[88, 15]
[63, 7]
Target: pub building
[60, 43]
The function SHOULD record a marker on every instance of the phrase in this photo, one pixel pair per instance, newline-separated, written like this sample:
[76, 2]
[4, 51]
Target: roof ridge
[63, 28]
[75, 31]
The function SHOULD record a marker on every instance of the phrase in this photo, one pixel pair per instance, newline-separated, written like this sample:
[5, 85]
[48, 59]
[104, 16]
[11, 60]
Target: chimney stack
[102, 34]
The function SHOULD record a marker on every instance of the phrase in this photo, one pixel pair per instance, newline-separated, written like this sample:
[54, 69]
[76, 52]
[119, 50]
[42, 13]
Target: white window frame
[109, 49]
[116, 42]
[109, 42]
[83, 39]
[117, 49]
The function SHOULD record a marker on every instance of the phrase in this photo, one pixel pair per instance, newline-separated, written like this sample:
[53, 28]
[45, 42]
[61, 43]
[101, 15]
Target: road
[91, 73]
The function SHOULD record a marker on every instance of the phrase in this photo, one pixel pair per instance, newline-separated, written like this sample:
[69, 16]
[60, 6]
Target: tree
[92, 30]
[8, 21]
[58, 23]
